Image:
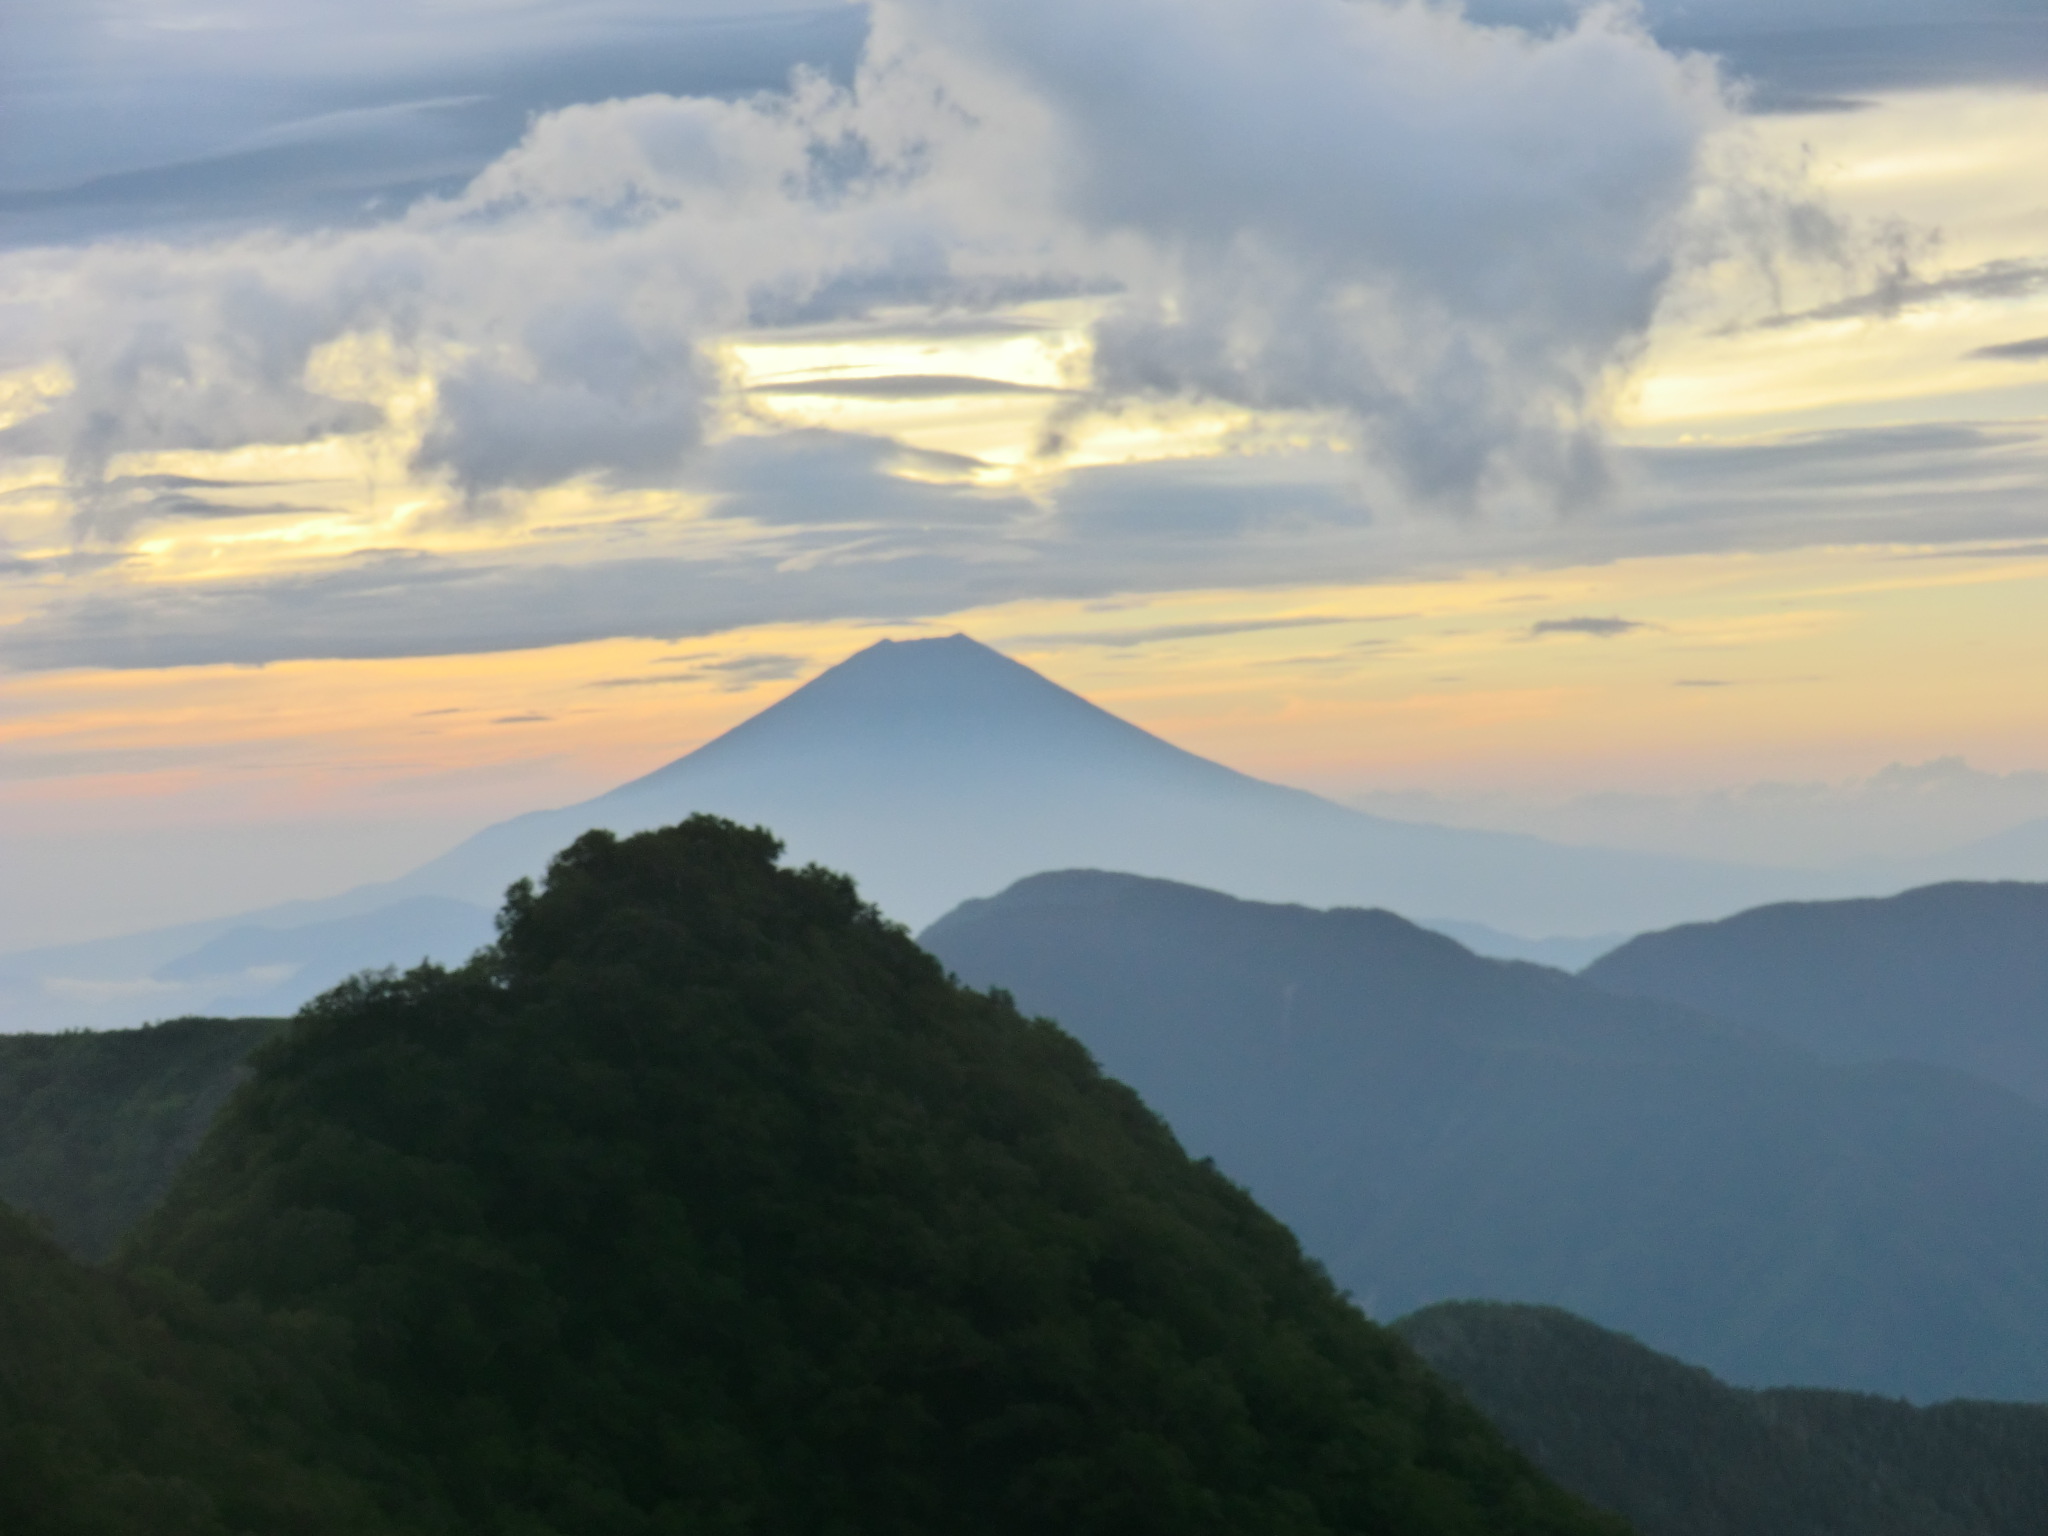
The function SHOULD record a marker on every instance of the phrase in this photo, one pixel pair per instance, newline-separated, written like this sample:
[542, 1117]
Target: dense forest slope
[706, 1203]
[129, 1410]
[1952, 974]
[1435, 1125]
[1681, 1454]
[94, 1125]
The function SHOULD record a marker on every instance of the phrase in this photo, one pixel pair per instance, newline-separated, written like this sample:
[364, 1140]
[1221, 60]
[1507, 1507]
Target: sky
[1623, 423]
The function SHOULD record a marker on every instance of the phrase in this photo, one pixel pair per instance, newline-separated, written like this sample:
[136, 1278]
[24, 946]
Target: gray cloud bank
[1433, 243]
[878, 547]
[1440, 238]
[124, 118]
[1828, 55]
[2033, 349]
[117, 119]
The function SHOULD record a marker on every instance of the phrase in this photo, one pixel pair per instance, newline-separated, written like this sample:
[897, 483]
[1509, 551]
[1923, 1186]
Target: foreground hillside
[1435, 1125]
[706, 1203]
[127, 1409]
[1681, 1454]
[1955, 974]
[94, 1125]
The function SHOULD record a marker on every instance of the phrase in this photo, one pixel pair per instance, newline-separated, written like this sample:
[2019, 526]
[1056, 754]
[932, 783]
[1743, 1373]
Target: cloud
[1443, 238]
[161, 361]
[910, 386]
[113, 509]
[1901, 291]
[2030, 350]
[1603, 629]
[1124, 639]
[588, 391]
[872, 546]
[299, 112]
[1401, 258]
[1821, 55]
[1225, 501]
[1837, 53]
[818, 479]
[733, 674]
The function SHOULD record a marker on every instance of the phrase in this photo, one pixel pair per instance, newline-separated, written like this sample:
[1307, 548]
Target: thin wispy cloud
[1598, 628]
[1903, 291]
[914, 386]
[1125, 639]
[2031, 350]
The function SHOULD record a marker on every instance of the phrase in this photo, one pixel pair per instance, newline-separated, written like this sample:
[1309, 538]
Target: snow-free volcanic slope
[937, 770]
[933, 771]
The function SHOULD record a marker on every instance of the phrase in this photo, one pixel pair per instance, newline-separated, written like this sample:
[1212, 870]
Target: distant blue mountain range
[933, 771]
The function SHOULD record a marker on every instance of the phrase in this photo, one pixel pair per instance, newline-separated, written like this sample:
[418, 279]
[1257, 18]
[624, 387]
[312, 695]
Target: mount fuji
[937, 770]
[933, 771]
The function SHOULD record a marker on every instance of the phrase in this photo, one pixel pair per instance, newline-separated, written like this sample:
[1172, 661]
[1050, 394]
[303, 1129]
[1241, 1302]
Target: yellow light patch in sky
[1959, 173]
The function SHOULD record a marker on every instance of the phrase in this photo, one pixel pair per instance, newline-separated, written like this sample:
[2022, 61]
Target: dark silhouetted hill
[1956, 975]
[1679, 1453]
[94, 1125]
[1435, 1126]
[705, 1202]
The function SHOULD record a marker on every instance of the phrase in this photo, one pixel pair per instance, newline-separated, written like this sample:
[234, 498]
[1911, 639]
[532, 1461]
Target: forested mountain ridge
[1681, 1454]
[705, 1202]
[1435, 1125]
[94, 1125]
[131, 1409]
[1955, 975]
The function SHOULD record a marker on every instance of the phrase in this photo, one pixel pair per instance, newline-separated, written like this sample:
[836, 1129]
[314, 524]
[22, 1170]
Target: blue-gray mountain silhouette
[1438, 1126]
[934, 771]
[1953, 974]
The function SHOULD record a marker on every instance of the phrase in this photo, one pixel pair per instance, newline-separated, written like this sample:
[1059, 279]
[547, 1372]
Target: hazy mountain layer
[705, 1202]
[937, 770]
[94, 1126]
[933, 771]
[265, 963]
[1952, 974]
[1681, 1454]
[1437, 1126]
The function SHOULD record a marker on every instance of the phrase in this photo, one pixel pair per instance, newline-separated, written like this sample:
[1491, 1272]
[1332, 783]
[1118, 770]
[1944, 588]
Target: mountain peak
[955, 667]
[948, 705]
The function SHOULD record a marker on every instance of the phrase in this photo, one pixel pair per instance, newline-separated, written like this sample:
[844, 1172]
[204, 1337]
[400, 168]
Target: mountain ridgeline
[705, 1202]
[1435, 1126]
[1955, 975]
[932, 771]
[1679, 1453]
